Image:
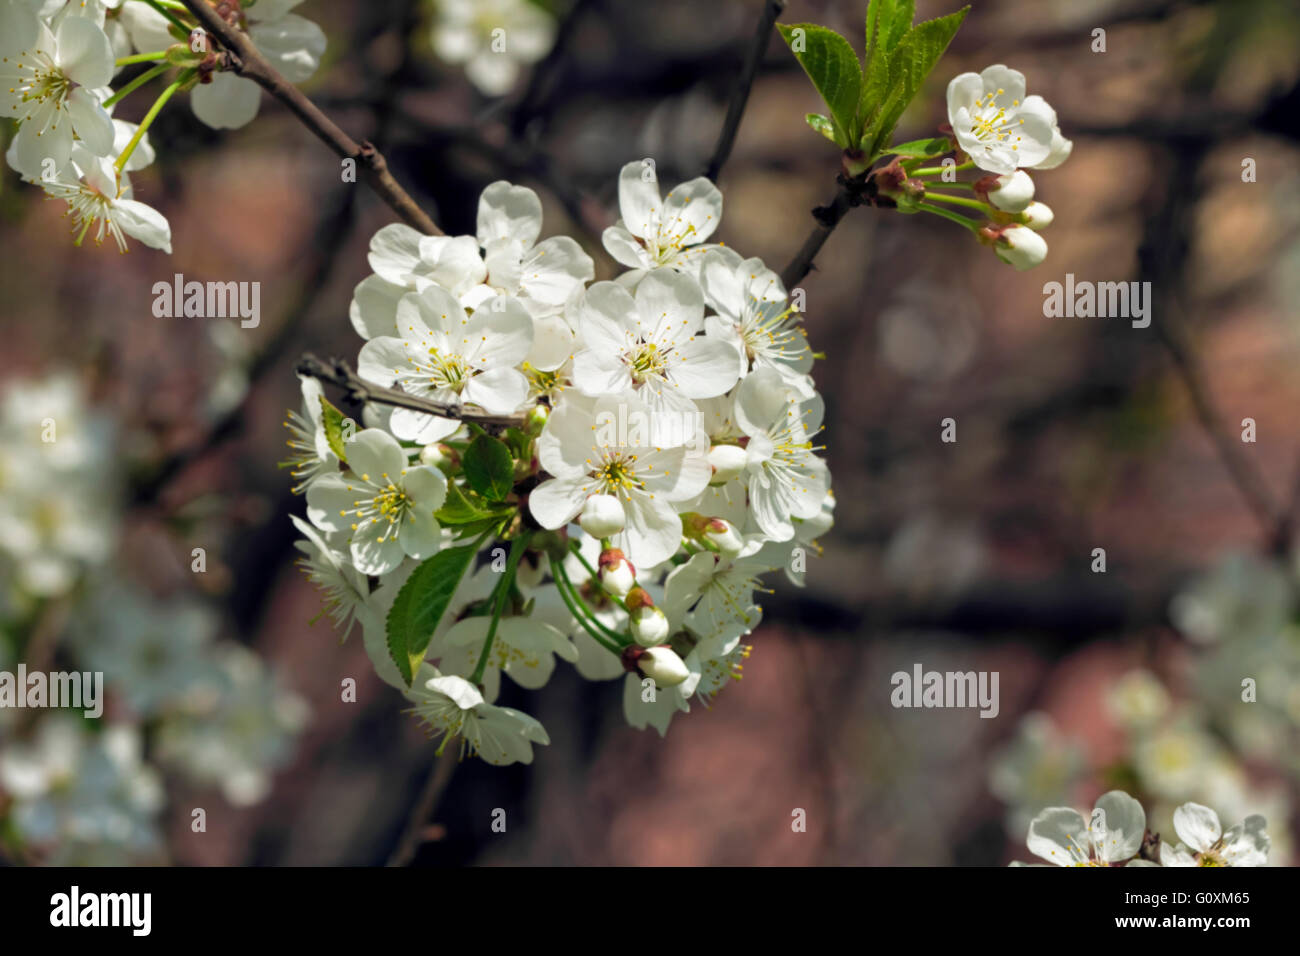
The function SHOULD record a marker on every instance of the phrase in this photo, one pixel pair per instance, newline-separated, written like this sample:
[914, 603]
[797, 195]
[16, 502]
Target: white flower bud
[1039, 215]
[663, 666]
[728, 461]
[1013, 192]
[724, 536]
[649, 627]
[1021, 247]
[602, 516]
[432, 456]
[618, 578]
[1059, 152]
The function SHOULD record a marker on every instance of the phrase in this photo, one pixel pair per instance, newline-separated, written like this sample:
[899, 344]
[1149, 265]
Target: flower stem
[151, 116]
[950, 215]
[583, 614]
[138, 82]
[958, 200]
[517, 548]
[940, 170]
[166, 11]
[141, 58]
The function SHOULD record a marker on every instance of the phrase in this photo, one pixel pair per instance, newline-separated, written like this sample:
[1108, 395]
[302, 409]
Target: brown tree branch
[246, 60]
[736, 111]
[338, 372]
[414, 833]
[852, 192]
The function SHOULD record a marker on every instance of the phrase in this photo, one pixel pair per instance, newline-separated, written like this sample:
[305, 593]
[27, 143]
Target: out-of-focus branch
[331, 231]
[337, 372]
[413, 834]
[246, 60]
[1245, 475]
[736, 111]
[541, 80]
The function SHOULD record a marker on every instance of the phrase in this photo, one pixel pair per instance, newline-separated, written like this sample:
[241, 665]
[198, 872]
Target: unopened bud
[1019, 246]
[1010, 193]
[649, 626]
[536, 420]
[728, 462]
[617, 575]
[433, 455]
[602, 516]
[663, 666]
[1038, 215]
[724, 537]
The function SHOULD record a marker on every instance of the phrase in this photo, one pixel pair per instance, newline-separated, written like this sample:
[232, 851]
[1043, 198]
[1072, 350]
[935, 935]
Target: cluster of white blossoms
[492, 39]
[995, 127]
[1172, 751]
[628, 458]
[1116, 835]
[1005, 132]
[176, 695]
[59, 64]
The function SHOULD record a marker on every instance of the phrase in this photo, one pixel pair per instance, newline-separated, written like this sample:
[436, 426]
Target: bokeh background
[1073, 434]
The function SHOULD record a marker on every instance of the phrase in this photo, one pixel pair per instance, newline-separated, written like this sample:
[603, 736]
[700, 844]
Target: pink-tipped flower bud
[649, 626]
[617, 575]
[724, 537]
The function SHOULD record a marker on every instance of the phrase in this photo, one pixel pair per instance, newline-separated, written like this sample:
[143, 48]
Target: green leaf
[894, 20]
[332, 419]
[821, 124]
[489, 467]
[875, 89]
[420, 604]
[831, 64]
[493, 523]
[910, 63]
[458, 508]
[921, 148]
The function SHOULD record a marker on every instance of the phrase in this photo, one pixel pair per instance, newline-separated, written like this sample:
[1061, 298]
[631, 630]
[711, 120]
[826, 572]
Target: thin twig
[338, 372]
[540, 82]
[849, 194]
[246, 60]
[413, 834]
[736, 111]
[1250, 483]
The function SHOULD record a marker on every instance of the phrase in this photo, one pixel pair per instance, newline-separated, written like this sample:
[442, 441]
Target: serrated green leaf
[835, 70]
[458, 508]
[332, 419]
[893, 21]
[913, 58]
[821, 124]
[420, 604]
[921, 148]
[489, 467]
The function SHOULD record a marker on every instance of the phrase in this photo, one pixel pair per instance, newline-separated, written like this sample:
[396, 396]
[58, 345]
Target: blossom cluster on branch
[617, 466]
[61, 67]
